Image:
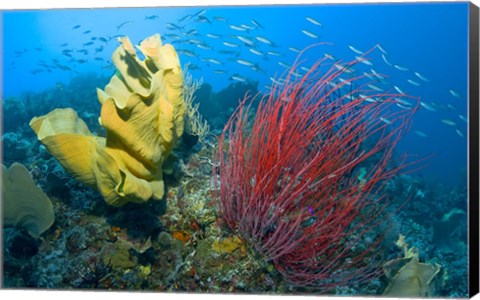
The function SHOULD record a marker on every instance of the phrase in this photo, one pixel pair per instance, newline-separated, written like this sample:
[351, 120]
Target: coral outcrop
[25, 204]
[142, 112]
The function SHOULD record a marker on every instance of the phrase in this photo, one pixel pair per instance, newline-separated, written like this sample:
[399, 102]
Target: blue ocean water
[44, 47]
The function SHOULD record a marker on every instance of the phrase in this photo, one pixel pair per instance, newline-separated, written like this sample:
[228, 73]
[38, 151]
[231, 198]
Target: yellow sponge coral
[142, 112]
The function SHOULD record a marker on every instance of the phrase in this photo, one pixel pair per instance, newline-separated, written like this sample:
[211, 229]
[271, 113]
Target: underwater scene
[288, 149]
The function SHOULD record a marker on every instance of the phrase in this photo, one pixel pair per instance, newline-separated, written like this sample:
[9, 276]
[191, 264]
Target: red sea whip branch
[288, 183]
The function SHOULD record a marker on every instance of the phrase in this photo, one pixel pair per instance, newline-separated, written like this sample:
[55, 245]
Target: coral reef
[217, 107]
[447, 228]
[15, 148]
[142, 112]
[182, 244]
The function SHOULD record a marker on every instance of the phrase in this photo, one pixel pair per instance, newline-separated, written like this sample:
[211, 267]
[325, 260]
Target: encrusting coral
[142, 112]
[25, 204]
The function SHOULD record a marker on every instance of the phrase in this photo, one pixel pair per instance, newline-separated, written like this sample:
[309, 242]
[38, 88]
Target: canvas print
[282, 149]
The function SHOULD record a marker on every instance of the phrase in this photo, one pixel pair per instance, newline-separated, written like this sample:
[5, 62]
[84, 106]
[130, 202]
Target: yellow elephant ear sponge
[142, 112]
[25, 204]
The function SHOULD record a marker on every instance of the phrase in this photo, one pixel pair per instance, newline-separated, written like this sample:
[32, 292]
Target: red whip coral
[301, 181]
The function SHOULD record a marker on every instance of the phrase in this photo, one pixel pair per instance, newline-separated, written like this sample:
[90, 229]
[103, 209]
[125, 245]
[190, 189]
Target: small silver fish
[385, 120]
[386, 61]
[274, 53]
[214, 61]
[460, 133]
[195, 42]
[305, 69]
[420, 133]
[245, 40]
[285, 65]
[232, 45]
[191, 32]
[448, 122]
[255, 51]
[463, 118]
[256, 68]
[313, 21]
[370, 99]
[366, 98]
[152, 17]
[427, 106]
[330, 56]
[398, 89]
[186, 17]
[343, 68]
[455, 94]
[377, 75]
[332, 84]
[200, 12]
[294, 49]
[238, 78]
[369, 75]
[248, 27]
[403, 106]
[451, 107]
[188, 53]
[245, 62]
[213, 36]
[237, 28]
[413, 82]
[355, 50]
[364, 60]
[202, 19]
[381, 49]
[276, 81]
[403, 102]
[296, 74]
[309, 34]
[400, 68]
[374, 87]
[256, 23]
[172, 26]
[220, 19]
[421, 77]
[203, 46]
[264, 40]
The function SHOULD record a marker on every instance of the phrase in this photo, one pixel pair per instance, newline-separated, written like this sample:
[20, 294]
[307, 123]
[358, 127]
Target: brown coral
[408, 277]
[24, 204]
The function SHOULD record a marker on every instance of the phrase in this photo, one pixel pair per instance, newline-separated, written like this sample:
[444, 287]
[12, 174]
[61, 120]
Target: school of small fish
[245, 48]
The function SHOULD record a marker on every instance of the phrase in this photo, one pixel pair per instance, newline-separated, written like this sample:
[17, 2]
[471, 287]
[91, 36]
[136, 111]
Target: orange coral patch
[182, 236]
[116, 229]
